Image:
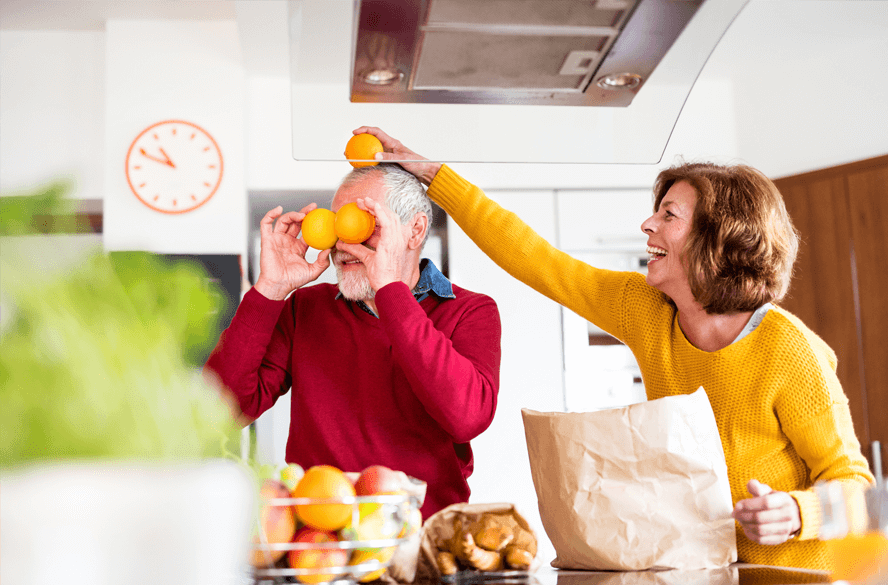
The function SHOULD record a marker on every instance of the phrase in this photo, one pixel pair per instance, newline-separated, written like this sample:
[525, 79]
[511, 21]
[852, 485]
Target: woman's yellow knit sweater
[781, 412]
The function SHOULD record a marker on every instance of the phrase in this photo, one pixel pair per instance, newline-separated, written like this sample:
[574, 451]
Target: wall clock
[174, 166]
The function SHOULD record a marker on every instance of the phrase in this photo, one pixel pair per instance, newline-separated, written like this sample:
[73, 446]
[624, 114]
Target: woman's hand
[419, 166]
[768, 517]
[282, 264]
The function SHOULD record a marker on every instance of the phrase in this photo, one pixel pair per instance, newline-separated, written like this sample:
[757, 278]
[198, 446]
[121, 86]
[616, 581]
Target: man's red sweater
[407, 390]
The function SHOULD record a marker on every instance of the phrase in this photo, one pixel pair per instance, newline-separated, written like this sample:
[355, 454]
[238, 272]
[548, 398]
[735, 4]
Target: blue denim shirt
[430, 281]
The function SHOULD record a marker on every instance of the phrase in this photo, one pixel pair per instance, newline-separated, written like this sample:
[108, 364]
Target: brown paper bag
[633, 488]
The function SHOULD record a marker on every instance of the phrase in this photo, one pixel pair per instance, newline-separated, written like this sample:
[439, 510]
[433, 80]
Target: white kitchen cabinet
[602, 219]
[531, 367]
[601, 228]
[597, 377]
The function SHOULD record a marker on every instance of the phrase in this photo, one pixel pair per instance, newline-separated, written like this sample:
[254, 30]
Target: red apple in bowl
[378, 480]
[317, 558]
[278, 523]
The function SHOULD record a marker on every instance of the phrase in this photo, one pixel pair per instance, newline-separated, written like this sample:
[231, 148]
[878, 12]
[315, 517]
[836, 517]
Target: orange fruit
[353, 225]
[362, 147]
[324, 482]
[317, 229]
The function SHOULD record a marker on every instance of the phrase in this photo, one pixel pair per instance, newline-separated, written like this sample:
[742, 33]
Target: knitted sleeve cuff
[259, 312]
[809, 512]
[447, 188]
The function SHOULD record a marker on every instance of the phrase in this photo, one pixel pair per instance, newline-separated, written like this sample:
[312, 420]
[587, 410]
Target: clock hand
[155, 159]
[167, 157]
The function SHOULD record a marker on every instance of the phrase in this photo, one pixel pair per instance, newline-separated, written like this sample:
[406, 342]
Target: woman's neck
[707, 331]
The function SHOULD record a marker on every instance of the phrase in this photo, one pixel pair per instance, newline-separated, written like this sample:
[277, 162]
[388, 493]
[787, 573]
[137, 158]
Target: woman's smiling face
[667, 230]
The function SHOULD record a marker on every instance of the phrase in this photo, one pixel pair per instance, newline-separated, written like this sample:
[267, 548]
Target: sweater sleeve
[455, 377]
[595, 294]
[815, 416]
[251, 358]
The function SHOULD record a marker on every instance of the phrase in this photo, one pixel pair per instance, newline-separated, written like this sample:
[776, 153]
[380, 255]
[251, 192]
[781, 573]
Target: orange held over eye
[353, 225]
[324, 482]
[317, 229]
[360, 148]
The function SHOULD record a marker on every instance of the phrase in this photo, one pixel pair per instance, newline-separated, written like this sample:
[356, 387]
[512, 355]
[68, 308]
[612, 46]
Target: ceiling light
[619, 81]
[383, 76]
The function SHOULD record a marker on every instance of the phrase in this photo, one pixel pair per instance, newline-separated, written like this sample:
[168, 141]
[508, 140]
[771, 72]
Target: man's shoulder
[470, 297]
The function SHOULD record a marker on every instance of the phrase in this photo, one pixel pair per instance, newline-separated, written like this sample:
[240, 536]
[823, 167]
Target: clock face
[174, 166]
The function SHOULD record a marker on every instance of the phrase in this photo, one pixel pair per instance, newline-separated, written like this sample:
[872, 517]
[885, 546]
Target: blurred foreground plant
[98, 361]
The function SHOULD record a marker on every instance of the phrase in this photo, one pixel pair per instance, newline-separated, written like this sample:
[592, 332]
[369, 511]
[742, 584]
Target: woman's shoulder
[640, 296]
[647, 315]
[805, 366]
[787, 329]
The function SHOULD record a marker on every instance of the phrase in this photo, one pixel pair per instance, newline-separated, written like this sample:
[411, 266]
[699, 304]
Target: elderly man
[393, 366]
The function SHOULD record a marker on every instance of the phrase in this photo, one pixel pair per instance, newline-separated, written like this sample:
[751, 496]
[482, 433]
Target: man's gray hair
[406, 196]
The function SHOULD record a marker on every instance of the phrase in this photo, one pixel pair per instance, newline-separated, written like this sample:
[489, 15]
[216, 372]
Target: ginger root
[492, 532]
[477, 557]
[518, 558]
[446, 562]
[488, 542]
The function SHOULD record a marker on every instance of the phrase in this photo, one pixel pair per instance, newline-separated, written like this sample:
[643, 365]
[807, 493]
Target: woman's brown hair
[742, 245]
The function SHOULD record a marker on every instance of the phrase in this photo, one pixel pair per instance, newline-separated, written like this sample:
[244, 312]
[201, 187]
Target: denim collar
[431, 280]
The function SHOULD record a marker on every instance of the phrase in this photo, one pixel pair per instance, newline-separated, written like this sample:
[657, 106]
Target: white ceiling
[92, 14]
[779, 54]
[262, 24]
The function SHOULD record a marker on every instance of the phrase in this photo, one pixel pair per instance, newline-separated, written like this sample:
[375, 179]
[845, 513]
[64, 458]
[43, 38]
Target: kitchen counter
[736, 574]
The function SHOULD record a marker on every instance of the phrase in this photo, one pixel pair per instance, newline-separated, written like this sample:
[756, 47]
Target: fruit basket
[341, 535]
[360, 551]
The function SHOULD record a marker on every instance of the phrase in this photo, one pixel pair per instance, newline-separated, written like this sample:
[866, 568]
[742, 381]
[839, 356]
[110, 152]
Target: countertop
[736, 574]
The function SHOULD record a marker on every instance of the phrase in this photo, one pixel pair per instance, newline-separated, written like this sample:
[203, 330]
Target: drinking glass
[854, 523]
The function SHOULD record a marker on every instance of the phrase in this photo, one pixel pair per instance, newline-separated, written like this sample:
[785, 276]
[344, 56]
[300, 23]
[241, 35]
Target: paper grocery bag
[633, 488]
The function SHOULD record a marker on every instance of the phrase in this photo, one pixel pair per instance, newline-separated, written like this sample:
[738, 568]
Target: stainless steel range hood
[542, 52]
[508, 81]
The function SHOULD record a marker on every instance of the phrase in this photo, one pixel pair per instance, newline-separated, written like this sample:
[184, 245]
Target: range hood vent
[480, 72]
[539, 52]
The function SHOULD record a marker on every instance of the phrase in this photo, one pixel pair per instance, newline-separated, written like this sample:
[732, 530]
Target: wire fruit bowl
[361, 551]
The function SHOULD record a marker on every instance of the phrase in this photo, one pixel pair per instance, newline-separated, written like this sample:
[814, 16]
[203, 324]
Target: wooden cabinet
[840, 288]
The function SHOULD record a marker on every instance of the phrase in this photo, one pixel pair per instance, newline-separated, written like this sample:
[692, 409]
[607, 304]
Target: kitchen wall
[52, 109]
[790, 88]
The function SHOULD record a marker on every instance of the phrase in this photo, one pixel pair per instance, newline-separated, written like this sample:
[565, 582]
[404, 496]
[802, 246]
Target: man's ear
[418, 229]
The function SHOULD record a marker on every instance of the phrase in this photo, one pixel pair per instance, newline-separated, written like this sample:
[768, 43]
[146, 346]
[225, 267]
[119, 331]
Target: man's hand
[387, 263]
[768, 517]
[419, 166]
[282, 264]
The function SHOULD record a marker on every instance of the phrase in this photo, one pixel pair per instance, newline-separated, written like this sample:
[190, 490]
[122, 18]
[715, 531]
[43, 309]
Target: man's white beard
[354, 285]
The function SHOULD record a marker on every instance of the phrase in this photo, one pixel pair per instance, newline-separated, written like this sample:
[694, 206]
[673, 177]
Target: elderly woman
[721, 248]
